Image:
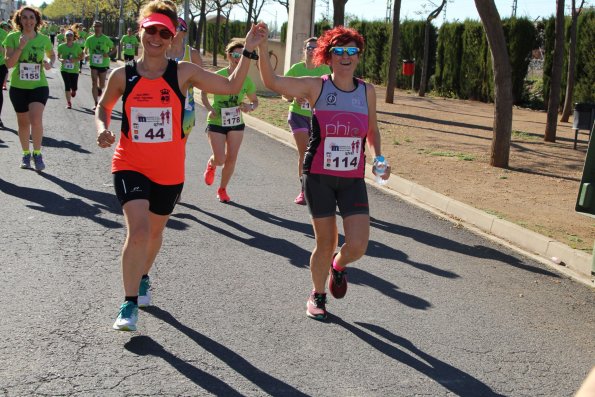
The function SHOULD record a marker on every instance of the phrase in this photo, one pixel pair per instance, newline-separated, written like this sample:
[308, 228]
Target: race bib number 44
[342, 154]
[230, 117]
[151, 125]
[30, 71]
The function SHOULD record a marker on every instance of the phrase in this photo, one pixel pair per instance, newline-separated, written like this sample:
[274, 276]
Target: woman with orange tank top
[148, 163]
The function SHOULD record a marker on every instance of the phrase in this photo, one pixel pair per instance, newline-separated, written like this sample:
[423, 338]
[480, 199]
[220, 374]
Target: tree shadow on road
[300, 227]
[439, 242]
[267, 383]
[299, 257]
[105, 201]
[453, 379]
[51, 142]
[296, 255]
[147, 346]
[53, 203]
[361, 277]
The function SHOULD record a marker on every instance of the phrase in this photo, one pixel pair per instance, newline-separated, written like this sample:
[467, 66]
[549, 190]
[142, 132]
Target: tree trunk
[216, 37]
[555, 81]
[394, 62]
[571, 63]
[425, 65]
[249, 11]
[492, 24]
[202, 21]
[339, 12]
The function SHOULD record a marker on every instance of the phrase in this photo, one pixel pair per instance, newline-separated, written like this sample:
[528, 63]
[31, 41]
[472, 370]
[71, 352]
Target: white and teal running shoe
[144, 292]
[127, 317]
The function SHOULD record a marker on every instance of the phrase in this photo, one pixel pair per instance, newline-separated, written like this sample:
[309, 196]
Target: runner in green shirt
[53, 30]
[70, 54]
[129, 44]
[79, 29]
[97, 48]
[29, 53]
[225, 125]
[60, 36]
[300, 114]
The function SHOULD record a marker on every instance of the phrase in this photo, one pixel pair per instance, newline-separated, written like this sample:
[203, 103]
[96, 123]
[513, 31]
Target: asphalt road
[432, 309]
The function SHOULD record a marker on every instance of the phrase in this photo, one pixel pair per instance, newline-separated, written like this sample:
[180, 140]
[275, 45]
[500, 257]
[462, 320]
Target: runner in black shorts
[343, 121]
[225, 125]
[132, 185]
[30, 54]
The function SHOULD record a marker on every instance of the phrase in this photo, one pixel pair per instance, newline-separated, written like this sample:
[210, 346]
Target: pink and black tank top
[339, 130]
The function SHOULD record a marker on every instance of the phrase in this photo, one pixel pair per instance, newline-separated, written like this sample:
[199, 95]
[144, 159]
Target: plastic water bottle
[380, 167]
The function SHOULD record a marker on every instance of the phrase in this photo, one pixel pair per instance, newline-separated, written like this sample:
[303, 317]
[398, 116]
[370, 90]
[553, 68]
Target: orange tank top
[152, 141]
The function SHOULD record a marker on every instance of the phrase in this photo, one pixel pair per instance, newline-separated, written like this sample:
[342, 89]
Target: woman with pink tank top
[343, 121]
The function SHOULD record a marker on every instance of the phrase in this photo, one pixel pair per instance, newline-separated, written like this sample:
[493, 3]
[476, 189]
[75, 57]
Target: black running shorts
[22, 97]
[324, 193]
[132, 185]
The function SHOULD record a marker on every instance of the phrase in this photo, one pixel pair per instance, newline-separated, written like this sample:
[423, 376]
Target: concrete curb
[573, 263]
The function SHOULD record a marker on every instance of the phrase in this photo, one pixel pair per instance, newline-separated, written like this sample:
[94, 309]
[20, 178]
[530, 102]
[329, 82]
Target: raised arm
[289, 87]
[216, 84]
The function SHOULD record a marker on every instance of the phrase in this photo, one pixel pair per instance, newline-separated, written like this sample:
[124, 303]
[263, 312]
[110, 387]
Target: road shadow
[451, 378]
[55, 204]
[51, 142]
[296, 255]
[439, 242]
[361, 277]
[267, 383]
[382, 251]
[104, 201]
[300, 227]
[147, 346]
[299, 257]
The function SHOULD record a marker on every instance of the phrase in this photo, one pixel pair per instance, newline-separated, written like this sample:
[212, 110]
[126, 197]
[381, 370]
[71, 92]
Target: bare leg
[325, 232]
[357, 235]
[24, 126]
[135, 251]
[234, 141]
[157, 225]
[36, 119]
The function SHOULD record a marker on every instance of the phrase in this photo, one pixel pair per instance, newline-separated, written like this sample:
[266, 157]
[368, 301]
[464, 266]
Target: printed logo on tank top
[331, 99]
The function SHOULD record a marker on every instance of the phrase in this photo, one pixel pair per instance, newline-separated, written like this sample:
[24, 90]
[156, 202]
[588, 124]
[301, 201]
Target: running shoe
[316, 306]
[26, 161]
[300, 199]
[337, 282]
[38, 162]
[209, 174]
[144, 292]
[222, 195]
[127, 317]
[68, 105]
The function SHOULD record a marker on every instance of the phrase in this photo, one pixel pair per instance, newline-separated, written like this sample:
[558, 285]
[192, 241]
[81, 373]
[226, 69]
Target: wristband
[251, 55]
[379, 159]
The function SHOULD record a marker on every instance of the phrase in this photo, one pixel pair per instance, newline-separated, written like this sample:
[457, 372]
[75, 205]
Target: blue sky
[376, 9]
[455, 10]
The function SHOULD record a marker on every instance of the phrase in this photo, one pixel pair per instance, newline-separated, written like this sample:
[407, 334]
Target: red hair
[336, 37]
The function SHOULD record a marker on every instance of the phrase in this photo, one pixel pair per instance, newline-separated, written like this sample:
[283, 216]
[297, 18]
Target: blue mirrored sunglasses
[341, 50]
